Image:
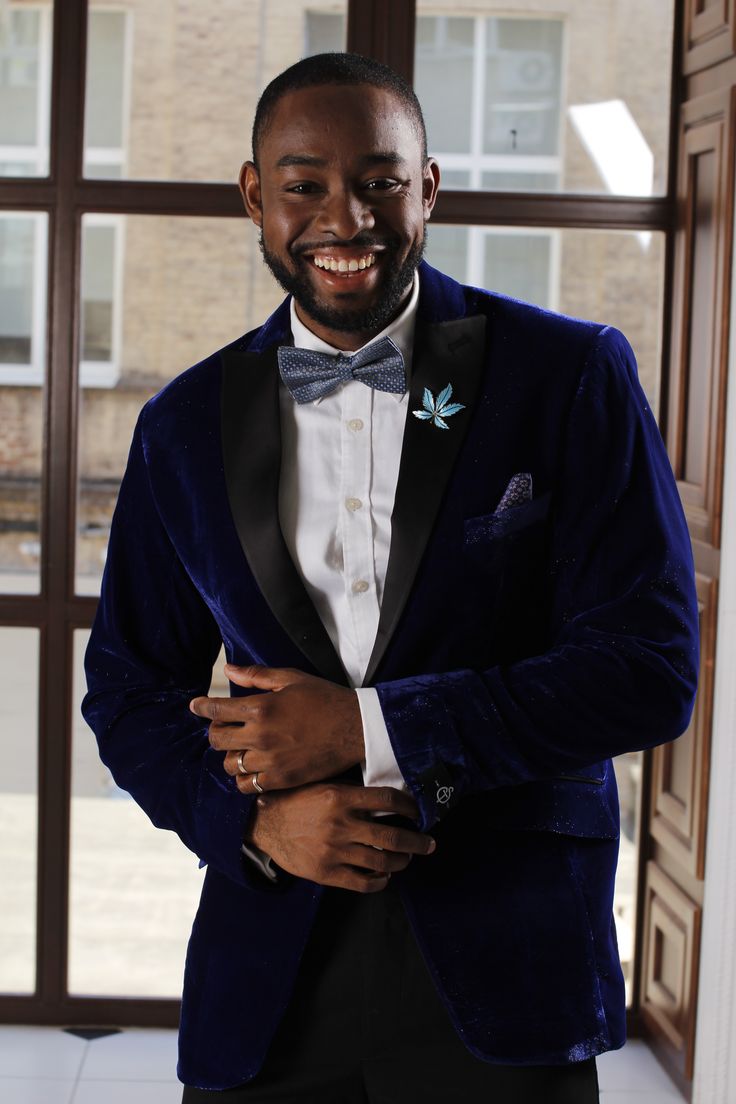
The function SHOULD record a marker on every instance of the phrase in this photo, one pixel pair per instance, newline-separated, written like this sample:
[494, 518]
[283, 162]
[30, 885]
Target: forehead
[339, 121]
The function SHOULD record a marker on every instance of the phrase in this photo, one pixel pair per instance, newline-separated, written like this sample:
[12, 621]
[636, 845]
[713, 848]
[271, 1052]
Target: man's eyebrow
[380, 157]
[391, 157]
[290, 159]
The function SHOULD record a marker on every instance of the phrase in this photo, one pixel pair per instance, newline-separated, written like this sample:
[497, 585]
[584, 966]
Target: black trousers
[366, 1026]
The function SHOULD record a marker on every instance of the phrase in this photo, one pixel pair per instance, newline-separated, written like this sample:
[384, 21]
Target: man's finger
[225, 736]
[262, 678]
[386, 862]
[385, 799]
[389, 838]
[249, 761]
[246, 784]
[218, 709]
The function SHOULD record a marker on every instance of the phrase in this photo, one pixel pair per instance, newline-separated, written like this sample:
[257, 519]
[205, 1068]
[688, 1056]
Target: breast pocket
[507, 525]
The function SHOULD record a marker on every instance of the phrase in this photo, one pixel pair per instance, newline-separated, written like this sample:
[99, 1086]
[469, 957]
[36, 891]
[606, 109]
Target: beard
[397, 276]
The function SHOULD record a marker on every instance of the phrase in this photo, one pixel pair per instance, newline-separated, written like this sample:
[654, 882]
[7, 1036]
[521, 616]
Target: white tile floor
[44, 1065]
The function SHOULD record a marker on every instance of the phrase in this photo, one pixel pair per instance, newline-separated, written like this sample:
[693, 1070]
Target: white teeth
[332, 265]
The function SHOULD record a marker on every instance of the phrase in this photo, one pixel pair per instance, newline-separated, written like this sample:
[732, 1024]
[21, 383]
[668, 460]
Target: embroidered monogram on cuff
[437, 786]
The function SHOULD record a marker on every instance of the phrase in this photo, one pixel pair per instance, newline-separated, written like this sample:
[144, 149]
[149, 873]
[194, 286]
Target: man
[472, 521]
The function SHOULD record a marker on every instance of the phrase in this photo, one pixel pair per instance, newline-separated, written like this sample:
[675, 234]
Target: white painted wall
[715, 1049]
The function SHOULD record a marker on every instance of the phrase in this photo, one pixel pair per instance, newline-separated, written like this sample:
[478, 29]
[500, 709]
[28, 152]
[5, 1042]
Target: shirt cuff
[379, 766]
[263, 861]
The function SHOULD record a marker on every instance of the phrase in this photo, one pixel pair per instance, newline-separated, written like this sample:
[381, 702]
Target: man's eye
[383, 185]
[303, 188]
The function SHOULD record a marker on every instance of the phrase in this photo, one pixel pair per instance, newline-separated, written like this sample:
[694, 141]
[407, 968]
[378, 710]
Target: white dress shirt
[339, 468]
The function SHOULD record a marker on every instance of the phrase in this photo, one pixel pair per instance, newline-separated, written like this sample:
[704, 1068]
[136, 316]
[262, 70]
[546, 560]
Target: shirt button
[355, 424]
[353, 503]
[360, 586]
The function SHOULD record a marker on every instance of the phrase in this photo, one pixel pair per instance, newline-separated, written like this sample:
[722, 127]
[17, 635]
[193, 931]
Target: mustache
[360, 241]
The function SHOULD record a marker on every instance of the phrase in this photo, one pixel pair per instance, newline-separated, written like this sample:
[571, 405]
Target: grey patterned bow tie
[310, 375]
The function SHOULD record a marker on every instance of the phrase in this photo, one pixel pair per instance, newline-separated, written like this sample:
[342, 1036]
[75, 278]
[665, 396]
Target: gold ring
[241, 766]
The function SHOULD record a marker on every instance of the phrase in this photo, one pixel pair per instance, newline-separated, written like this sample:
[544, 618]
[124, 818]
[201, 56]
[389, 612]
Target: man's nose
[343, 214]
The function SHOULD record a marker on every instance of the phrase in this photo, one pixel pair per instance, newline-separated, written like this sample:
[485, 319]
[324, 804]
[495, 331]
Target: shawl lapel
[445, 352]
[251, 442]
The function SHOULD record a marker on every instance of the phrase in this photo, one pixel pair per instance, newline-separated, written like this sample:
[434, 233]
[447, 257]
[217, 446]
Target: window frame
[476, 162]
[380, 28]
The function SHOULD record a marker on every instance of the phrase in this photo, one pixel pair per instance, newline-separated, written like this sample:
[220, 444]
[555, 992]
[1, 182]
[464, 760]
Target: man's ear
[250, 188]
[430, 186]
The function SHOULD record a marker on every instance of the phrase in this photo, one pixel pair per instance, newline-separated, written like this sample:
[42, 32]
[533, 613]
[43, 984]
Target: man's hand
[325, 832]
[305, 730]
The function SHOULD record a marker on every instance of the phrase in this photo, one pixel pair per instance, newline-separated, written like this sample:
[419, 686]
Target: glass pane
[171, 88]
[22, 360]
[325, 32]
[25, 89]
[443, 80]
[158, 295]
[576, 100]
[447, 250]
[133, 888]
[18, 808]
[522, 262]
[98, 274]
[523, 78]
[103, 122]
[609, 276]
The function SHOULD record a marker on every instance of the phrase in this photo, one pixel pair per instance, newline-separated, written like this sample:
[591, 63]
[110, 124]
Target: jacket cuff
[426, 744]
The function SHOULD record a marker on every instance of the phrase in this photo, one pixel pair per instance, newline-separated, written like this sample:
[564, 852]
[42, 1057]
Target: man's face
[342, 197]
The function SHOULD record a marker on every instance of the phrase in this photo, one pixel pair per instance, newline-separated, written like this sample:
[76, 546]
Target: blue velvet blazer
[518, 650]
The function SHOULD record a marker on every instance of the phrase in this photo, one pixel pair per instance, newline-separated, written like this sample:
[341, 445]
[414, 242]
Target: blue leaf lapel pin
[436, 410]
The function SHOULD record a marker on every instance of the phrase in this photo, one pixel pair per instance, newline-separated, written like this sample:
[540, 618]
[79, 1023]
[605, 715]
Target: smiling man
[438, 534]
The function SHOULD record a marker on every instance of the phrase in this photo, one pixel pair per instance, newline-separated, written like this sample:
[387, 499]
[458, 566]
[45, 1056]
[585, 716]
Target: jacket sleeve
[151, 650]
[621, 670]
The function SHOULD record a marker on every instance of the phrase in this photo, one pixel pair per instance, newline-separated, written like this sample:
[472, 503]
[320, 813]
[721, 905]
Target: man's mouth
[340, 264]
[344, 263]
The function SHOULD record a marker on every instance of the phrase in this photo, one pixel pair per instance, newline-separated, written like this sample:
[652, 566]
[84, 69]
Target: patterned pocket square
[517, 493]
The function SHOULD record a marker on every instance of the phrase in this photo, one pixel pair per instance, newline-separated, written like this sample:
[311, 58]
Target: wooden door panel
[677, 813]
[669, 975]
[680, 769]
[701, 292]
[710, 33]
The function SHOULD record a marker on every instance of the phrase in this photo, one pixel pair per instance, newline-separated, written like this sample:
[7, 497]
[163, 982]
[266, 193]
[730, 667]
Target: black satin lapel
[251, 445]
[446, 352]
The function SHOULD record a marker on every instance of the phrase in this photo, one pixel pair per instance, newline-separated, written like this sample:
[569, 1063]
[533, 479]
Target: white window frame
[37, 154]
[475, 162]
[106, 373]
[31, 374]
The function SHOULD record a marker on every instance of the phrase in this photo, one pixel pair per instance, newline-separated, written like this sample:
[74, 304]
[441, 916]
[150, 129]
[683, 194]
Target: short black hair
[336, 68]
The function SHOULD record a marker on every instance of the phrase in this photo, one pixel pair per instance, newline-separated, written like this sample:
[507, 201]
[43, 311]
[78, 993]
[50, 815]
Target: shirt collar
[400, 330]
